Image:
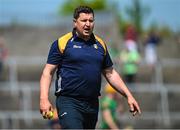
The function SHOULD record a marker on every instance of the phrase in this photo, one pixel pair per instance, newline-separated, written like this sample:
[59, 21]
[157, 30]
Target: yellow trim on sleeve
[62, 41]
[101, 42]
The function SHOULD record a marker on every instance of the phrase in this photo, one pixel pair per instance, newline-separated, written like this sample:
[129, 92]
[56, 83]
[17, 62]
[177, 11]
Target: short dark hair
[82, 9]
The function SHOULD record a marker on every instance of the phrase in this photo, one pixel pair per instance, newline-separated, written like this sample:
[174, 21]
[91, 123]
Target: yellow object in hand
[51, 114]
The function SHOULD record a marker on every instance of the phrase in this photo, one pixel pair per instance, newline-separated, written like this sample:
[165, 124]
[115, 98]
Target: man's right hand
[45, 107]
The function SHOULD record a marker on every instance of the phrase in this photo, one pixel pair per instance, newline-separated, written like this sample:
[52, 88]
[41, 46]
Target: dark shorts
[77, 114]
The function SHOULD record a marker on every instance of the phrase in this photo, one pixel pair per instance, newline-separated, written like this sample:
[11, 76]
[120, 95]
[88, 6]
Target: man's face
[84, 25]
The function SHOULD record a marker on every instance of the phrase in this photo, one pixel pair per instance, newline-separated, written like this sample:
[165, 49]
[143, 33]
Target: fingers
[46, 113]
[134, 109]
[133, 112]
[138, 109]
[131, 108]
[50, 108]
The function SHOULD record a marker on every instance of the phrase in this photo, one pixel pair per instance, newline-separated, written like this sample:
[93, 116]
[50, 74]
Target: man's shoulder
[99, 39]
[101, 42]
[63, 40]
[66, 36]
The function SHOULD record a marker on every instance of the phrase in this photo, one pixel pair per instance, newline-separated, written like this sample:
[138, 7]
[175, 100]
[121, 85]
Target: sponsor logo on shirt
[95, 46]
[76, 46]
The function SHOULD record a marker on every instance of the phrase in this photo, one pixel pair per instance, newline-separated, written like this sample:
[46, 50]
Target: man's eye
[87, 20]
[91, 21]
[83, 20]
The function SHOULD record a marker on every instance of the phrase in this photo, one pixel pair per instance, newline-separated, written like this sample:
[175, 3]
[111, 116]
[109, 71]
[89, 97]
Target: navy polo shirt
[79, 67]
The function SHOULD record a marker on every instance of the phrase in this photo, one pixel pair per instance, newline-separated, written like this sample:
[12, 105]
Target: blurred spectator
[131, 33]
[54, 123]
[131, 38]
[108, 106]
[151, 42]
[3, 53]
[130, 60]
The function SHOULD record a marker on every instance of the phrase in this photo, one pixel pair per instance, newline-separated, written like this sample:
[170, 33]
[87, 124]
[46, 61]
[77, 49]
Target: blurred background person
[130, 60]
[152, 40]
[131, 38]
[3, 53]
[108, 105]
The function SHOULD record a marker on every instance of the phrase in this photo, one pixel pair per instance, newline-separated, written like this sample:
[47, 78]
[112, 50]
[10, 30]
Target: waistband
[90, 100]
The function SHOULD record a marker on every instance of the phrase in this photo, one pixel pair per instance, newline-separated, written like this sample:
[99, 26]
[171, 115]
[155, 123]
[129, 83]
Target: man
[79, 58]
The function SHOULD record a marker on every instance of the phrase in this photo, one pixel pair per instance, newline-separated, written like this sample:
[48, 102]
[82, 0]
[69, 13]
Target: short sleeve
[54, 56]
[107, 62]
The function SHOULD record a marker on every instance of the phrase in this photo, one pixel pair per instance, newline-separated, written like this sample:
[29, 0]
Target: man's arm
[45, 83]
[117, 83]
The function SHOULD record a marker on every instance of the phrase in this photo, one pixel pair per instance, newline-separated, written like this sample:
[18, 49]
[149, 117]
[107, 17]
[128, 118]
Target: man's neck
[83, 37]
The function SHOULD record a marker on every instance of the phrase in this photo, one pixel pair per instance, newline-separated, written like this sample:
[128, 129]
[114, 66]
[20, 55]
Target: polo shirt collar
[75, 37]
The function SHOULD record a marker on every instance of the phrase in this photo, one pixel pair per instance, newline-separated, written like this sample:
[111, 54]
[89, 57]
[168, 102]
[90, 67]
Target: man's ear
[74, 21]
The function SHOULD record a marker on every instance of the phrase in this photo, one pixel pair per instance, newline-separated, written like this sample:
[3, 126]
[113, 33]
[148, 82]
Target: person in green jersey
[130, 60]
[108, 106]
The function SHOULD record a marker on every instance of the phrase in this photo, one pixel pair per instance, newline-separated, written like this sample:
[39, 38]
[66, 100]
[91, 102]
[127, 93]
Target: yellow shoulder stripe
[62, 41]
[101, 42]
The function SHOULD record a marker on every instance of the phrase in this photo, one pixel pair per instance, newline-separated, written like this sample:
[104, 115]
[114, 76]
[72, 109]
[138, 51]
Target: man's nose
[87, 23]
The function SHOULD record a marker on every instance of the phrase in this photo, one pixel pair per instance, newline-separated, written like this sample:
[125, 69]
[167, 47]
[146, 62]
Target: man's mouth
[87, 30]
